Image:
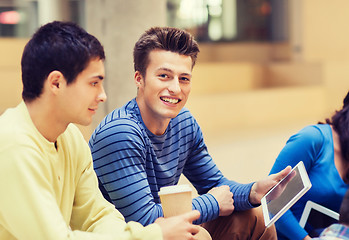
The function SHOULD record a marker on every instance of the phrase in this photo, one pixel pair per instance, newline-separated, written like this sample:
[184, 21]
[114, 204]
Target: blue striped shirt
[132, 164]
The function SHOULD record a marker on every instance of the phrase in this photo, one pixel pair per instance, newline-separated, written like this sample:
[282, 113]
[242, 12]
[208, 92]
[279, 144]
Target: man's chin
[171, 116]
[84, 123]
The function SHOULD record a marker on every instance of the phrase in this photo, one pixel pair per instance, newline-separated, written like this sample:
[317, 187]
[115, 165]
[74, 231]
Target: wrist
[253, 196]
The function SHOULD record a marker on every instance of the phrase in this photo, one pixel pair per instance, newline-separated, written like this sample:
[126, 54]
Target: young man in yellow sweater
[48, 187]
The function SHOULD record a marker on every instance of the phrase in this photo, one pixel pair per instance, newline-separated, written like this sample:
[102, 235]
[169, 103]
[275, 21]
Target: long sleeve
[204, 174]
[127, 176]
[303, 146]
[53, 194]
[92, 213]
[132, 165]
[120, 162]
[29, 209]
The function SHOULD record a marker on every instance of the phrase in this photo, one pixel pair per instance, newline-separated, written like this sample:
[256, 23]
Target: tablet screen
[316, 218]
[317, 222]
[281, 197]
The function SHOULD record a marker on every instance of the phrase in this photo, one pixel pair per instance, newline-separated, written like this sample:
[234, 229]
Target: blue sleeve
[303, 146]
[203, 173]
[118, 152]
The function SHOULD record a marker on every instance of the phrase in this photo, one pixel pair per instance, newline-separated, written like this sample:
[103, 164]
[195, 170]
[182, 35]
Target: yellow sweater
[48, 193]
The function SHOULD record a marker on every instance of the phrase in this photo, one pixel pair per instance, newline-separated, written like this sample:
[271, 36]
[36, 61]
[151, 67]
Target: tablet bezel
[312, 205]
[306, 186]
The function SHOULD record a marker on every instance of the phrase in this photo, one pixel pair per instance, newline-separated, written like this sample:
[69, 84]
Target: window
[231, 20]
[20, 18]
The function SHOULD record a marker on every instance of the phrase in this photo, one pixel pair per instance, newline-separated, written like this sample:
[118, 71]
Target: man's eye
[185, 79]
[163, 75]
[94, 83]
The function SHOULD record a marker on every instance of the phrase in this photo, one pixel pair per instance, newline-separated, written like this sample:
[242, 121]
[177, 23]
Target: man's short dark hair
[163, 38]
[61, 46]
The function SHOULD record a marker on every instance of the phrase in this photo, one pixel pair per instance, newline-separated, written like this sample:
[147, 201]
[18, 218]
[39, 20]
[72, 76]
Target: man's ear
[139, 80]
[55, 80]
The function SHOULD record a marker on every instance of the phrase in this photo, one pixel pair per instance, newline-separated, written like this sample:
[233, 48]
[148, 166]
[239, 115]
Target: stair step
[258, 108]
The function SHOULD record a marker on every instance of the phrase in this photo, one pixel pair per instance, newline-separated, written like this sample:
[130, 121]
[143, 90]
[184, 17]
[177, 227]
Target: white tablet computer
[285, 193]
[316, 218]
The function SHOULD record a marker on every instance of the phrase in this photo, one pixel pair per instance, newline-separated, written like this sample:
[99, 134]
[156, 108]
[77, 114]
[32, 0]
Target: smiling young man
[149, 142]
[50, 190]
[167, 88]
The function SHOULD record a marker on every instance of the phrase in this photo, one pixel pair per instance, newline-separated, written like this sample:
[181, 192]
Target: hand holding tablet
[285, 193]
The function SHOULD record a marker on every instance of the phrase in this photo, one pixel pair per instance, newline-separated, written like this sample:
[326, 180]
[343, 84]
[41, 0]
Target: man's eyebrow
[164, 69]
[186, 74]
[170, 70]
[100, 77]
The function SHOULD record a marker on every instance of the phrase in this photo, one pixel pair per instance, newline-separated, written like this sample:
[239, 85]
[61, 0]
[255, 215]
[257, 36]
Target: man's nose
[174, 86]
[102, 97]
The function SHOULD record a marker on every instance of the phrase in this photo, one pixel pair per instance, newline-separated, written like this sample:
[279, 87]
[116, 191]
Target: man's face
[164, 90]
[80, 99]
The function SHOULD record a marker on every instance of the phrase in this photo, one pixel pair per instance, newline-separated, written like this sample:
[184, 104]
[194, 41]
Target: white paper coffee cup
[176, 199]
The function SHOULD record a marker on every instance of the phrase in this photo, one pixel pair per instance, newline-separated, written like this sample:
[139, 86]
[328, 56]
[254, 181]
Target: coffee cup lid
[175, 189]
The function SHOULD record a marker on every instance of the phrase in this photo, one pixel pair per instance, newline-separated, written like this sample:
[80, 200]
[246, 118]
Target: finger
[283, 173]
[287, 170]
[192, 215]
[194, 229]
[294, 173]
[201, 234]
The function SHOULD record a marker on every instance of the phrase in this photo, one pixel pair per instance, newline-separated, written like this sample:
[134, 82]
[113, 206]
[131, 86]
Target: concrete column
[295, 29]
[50, 10]
[118, 24]
[229, 19]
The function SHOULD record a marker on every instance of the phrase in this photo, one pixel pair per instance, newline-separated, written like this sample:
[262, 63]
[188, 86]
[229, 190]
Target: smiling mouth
[170, 100]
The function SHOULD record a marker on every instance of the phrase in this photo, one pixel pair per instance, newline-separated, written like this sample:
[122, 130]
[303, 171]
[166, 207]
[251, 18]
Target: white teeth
[170, 100]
